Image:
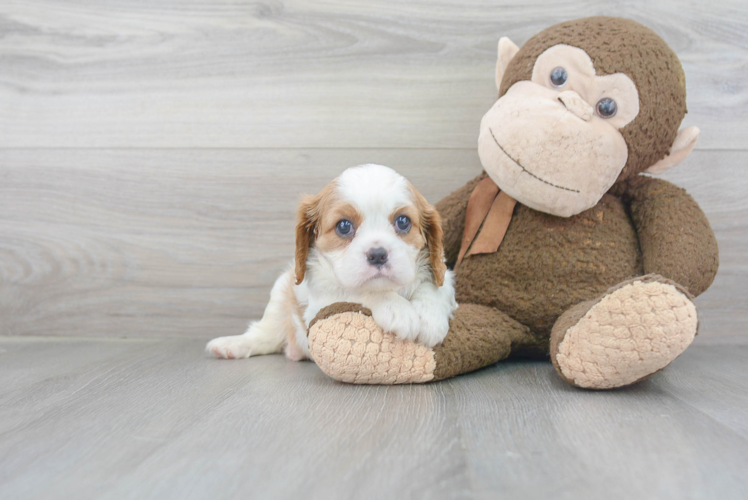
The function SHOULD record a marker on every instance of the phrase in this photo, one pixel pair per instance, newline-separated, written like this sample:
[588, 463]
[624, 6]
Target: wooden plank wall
[152, 151]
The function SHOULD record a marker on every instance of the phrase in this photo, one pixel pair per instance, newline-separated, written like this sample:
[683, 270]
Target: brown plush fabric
[619, 45]
[675, 236]
[337, 308]
[547, 264]
[480, 336]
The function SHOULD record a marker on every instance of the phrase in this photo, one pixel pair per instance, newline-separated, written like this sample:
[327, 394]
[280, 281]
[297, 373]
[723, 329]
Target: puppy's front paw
[232, 347]
[399, 318]
[434, 327]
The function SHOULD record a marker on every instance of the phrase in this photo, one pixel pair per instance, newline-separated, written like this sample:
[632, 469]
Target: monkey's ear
[682, 146]
[507, 50]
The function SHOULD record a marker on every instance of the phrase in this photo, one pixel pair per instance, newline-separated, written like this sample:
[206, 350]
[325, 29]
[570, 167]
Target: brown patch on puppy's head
[618, 45]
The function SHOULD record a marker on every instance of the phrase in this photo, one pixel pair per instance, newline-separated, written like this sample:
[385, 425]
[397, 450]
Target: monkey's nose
[576, 104]
[377, 256]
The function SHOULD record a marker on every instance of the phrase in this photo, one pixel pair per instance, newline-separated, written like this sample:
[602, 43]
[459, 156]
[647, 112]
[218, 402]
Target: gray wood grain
[294, 73]
[149, 243]
[92, 418]
[645, 441]
[713, 384]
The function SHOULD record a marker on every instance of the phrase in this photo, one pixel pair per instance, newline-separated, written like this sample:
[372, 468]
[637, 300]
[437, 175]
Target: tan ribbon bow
[490, 211]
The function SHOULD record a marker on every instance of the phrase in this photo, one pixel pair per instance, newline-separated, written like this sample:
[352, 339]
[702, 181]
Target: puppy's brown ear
[431, 225]
[307, 218]
[434, 238]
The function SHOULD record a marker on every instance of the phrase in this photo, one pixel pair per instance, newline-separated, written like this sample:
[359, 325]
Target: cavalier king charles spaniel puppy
[370, 238]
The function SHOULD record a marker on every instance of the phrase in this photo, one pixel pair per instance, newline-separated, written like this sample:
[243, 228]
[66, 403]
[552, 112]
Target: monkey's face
[553, 142]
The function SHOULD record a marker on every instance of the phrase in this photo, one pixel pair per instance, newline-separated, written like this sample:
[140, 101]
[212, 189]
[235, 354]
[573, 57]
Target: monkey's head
[582, 105]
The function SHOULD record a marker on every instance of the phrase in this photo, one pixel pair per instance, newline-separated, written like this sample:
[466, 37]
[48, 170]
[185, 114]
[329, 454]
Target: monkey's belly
[547, 264]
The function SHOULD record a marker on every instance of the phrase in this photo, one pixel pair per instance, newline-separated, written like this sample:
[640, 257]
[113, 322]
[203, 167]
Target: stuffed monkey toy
[561, 247]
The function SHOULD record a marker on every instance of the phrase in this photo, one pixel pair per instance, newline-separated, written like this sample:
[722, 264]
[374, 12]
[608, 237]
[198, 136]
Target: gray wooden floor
[152, 153]
[116, 418]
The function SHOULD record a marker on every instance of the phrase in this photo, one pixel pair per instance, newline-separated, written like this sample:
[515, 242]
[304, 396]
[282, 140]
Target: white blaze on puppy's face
[358, 233]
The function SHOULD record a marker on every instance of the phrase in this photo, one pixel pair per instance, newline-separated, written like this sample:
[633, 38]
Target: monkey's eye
[606, 107]
[344, 228]
[402, 224]
[559, 77]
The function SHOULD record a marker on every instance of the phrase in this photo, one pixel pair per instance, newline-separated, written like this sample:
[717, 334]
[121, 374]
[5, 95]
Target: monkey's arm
[674, 234]
[452, 209]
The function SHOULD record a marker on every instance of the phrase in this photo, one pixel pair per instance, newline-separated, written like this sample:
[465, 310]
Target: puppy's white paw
[434, 327]
[232, 347]
[399, 318]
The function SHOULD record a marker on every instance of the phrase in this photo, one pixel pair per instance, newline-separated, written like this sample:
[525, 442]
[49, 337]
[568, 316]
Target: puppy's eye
[344, 228]
[559, 77]
[606, 107]
[402, 224]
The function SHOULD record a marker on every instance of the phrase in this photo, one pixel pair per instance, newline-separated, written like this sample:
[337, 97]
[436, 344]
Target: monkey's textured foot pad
[348, 346]
[633, 331]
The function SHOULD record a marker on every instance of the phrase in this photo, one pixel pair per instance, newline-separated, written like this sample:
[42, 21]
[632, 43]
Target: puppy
[370, 238]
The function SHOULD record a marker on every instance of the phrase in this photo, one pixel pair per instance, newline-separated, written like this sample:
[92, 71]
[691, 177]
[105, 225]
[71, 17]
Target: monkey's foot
[631, 332]
[348, 346]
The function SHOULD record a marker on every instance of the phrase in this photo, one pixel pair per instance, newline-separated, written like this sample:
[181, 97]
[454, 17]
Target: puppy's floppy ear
[307, 218]
[434, 236]
[431, 226]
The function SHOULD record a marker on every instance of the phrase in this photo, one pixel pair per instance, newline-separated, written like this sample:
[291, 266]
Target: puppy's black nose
[377, 256]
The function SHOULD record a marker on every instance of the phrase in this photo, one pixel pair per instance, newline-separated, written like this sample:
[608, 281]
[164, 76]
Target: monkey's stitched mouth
[527, 171]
